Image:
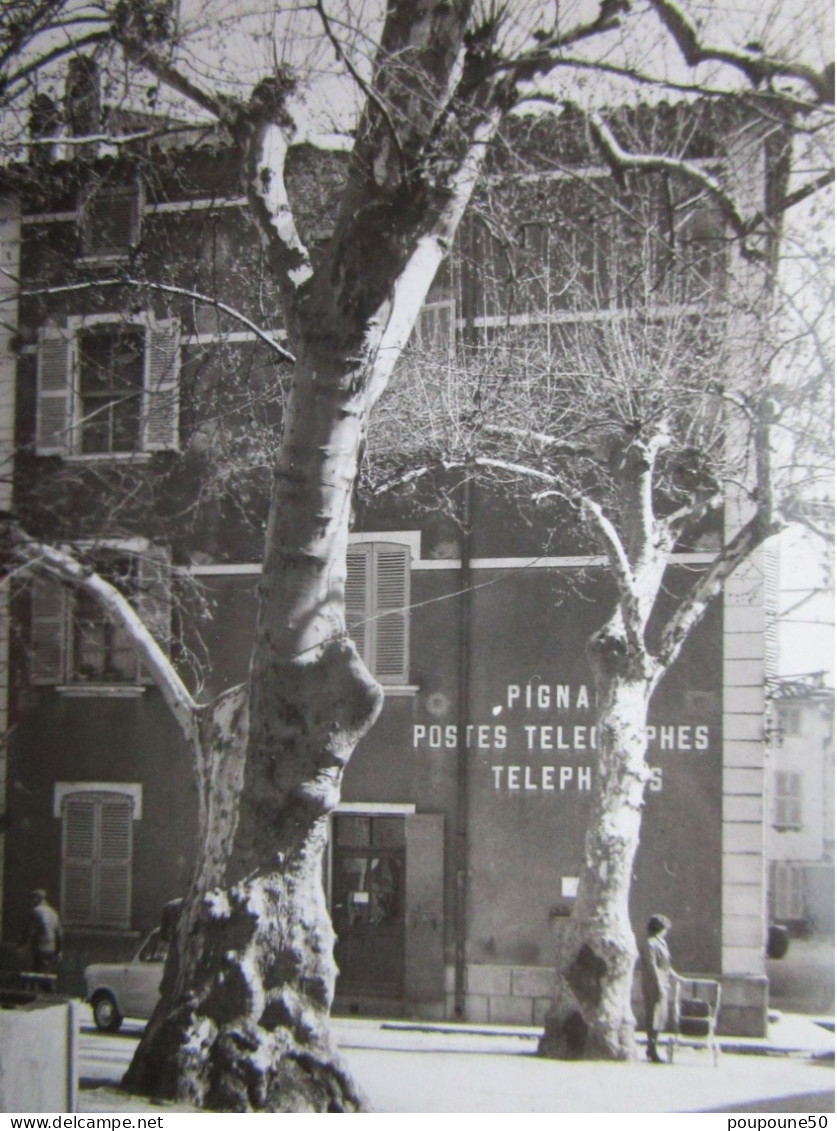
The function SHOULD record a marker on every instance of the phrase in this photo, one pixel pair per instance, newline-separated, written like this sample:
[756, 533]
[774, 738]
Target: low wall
[38, 1070]
[520, 995]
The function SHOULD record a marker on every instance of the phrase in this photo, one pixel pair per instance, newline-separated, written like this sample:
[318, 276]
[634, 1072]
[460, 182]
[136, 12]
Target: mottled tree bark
[590, 1016]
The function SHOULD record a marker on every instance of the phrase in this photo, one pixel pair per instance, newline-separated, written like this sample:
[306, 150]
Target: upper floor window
[788, 800]
[377, 607]
[75, 642]
[791, 720]
[108, 386]
[109, 221]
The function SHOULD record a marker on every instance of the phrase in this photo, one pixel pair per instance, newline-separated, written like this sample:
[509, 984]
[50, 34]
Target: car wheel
[105, 1014]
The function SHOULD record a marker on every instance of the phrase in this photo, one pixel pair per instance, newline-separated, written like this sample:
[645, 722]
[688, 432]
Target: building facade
[800, 805]
[144, 415]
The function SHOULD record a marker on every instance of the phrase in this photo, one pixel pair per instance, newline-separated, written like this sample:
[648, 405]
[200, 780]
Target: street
[405, 1069]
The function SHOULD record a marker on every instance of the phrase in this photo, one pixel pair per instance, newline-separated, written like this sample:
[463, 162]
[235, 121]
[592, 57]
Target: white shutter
[391, 592]
[48, 636]
[161, 393]
[78, 878]
[53, 432]
[153, 600]
[358, 581]
[114, 878]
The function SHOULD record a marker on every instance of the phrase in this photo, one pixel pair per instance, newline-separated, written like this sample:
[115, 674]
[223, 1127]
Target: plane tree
[655, 387]
[242, 1022]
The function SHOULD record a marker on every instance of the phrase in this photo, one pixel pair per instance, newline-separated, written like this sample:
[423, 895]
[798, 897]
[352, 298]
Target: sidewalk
[407, 1068]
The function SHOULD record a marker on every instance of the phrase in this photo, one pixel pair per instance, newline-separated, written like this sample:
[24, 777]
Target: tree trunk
[590, 1016]
[242, 1024]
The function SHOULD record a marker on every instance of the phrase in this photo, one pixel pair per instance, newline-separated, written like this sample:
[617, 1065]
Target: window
[788, 800]
[788, 892]
[377, 599]
[74, 641]
[790, 720]
[109, 221]
[108, 386]
[435, 327]
[96, 852]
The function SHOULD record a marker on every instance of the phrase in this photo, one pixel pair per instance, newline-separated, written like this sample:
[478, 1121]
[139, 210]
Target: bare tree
[676, 395]
[242, 1020]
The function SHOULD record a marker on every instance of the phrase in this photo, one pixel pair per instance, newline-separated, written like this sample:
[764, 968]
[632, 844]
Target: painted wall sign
[523, 702]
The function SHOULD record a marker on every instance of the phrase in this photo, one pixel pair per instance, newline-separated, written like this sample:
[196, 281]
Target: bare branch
[620, 160]
[165, 288]
[751, 61]
[61, 566]
[690, 611]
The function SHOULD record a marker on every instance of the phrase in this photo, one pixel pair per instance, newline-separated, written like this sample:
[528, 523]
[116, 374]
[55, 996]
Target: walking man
[43, 934]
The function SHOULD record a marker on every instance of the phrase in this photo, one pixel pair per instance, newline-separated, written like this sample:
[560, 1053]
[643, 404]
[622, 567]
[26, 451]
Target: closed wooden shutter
[114, 871]
[788, 813]
[161, 393]
[391, 588]
[54, 413]
[377, 615]
[96, 860]
[358, 598]
[788, 892]
[49, 626]
[110, 221]
[78, 870]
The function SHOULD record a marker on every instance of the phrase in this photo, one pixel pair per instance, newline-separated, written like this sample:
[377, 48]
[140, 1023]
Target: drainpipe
[462, 753]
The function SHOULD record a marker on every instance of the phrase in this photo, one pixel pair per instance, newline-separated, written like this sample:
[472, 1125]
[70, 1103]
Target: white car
[127, 989]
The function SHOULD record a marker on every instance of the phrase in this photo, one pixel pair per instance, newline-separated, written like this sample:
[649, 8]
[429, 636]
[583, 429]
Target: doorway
[368, 904]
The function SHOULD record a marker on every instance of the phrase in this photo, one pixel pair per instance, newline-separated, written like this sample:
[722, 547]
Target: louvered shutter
[161, 393]
[48, 632]
[114, 864]
[391, 589]
[53, 433]
[78, 866]
[793, 814]
[358, 581]
[780, 816]
[110, 222]
[153, 601]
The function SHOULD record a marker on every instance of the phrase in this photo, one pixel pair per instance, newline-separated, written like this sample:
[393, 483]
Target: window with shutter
[109, 218]
[160, 404]
[73, 640]
[788, 800]
[788, 892]
[108, 386]
[53, 434]
[97, 846]
[377, 607]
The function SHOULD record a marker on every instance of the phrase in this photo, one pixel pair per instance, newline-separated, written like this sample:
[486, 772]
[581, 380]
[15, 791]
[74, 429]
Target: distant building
[457, 847]
[799, 804]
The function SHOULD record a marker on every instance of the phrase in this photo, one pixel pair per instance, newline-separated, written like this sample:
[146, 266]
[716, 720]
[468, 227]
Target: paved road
[414, 1071]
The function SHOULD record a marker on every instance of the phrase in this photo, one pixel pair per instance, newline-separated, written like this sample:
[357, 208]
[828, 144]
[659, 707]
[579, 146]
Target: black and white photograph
[417, 551]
